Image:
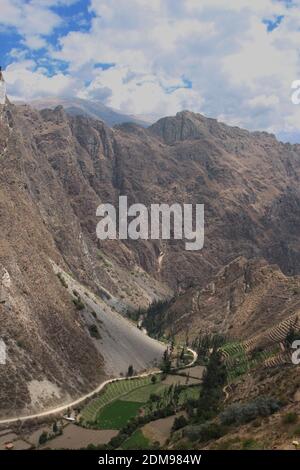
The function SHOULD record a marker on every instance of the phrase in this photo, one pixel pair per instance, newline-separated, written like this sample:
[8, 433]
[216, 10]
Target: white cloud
[238, 70]
[31, 20]
[24, 80]
[142, 93]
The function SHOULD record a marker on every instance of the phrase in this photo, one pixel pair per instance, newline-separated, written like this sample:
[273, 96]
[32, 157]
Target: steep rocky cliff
[56, 169]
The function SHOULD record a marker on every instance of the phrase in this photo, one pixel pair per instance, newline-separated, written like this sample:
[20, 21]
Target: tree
[212, 387]
[55, 428]
[166, 363]
[179, 422]
[153, 379]
[130, 371]
[43, 438]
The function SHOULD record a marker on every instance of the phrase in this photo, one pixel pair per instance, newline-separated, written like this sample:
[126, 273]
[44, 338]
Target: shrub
[43, 438]
[94, 332]
[246, 412]
[204, 432]
[62, 280]
[78, 303]
[179, 422]
[249, 444]
[290, 418]
[297, 431]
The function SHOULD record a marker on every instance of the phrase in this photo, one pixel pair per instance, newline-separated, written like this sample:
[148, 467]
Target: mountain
[56, 169]
[243, 300]
[93, 109]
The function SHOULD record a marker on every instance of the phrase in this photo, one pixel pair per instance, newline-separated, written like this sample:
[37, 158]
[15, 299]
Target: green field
[112, 391]
[136, 441]
[115, 415]
[142, 394]
[189, 393]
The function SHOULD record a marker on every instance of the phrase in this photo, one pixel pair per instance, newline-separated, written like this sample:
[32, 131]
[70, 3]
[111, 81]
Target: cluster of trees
[204, 343]
[45, 436]
[213, 382]
[169, 398]
[153, 317]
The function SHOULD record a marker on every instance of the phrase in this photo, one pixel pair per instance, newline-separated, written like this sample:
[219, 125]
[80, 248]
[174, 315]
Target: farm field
[76, 437]
[116, 414]
[142, 394]
[238, 362]
[136, 441]
[160, 429]
[136, 391]
[112, 391]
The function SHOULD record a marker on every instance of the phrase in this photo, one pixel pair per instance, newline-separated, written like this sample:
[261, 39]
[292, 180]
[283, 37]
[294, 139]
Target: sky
[234, 60]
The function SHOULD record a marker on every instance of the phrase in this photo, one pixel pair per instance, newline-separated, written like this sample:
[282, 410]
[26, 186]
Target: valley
[75, 309]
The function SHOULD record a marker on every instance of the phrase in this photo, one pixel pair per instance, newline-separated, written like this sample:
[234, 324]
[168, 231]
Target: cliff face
[56, 170]
[244, 299]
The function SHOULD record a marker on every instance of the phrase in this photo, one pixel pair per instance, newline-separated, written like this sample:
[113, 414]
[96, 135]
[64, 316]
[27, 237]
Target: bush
[290, 418]
[250, 444]
[78, 303]
[246, 412]
[204, 432]
[94, 332]
[43, 438]
[62, 280]
[179, 422]
[297, 431]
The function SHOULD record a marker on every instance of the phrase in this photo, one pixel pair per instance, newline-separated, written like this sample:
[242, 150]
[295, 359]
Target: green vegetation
[119, 404]
[212, 388]
[94, 332]
[204, 432]
[115, 415]
[290, 418]
[43, 438]
[238, 362]
[297, 431]
[153, 317]
[130, 371]
[137, 441]
[250, 444]
[62, 280]
[142, 394]
[204, 343]
[166, 362]
[293, 335]
[112, 391]
[241, 413]
[78, 303]
[179, 422]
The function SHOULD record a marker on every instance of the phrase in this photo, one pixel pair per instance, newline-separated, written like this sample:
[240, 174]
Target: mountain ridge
[55, 171]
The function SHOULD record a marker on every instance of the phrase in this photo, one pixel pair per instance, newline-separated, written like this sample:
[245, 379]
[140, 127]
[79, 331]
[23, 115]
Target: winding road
[62, 408]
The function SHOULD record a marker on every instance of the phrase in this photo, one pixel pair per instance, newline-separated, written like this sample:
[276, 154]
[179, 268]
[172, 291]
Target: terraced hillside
[112, 391]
